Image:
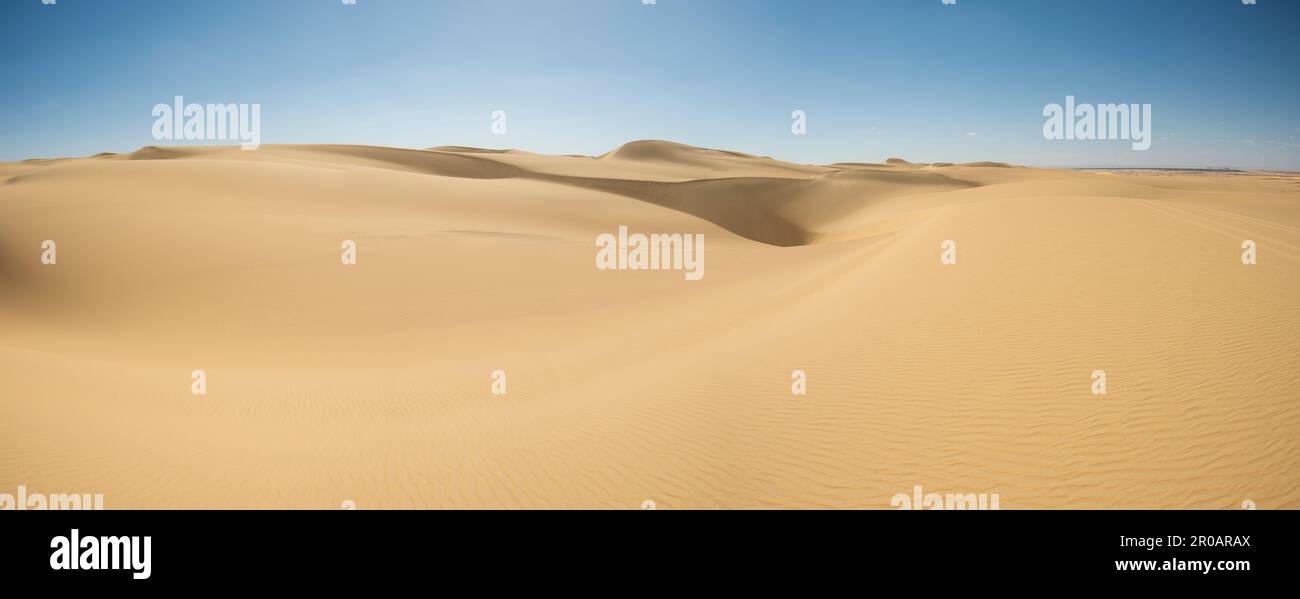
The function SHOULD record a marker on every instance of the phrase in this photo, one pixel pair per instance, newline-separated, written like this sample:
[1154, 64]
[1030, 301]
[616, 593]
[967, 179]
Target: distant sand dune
[371, 382]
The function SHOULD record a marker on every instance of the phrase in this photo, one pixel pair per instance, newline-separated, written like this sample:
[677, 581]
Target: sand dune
[371, 382]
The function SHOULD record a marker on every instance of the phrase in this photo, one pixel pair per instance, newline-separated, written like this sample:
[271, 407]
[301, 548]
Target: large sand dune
[371, 382]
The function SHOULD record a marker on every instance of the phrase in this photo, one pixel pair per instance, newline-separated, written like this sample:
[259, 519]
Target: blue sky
[876, 78]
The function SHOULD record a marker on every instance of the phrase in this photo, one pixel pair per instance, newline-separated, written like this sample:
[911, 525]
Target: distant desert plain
[946, 321]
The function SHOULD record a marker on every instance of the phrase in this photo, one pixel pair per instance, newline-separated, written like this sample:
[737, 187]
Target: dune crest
[762, 199]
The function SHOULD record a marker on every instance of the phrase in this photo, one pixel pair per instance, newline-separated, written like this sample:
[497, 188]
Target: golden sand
[372, 382]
